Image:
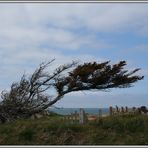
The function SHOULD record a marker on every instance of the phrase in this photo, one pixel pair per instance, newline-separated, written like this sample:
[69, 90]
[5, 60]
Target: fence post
[134, 110]
[111, 110]
[100, 112]
[82, 118]
[117, 109]
[126, 109]
[122, 109]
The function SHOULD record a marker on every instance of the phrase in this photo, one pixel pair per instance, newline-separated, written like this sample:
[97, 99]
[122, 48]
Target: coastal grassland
[52, 130]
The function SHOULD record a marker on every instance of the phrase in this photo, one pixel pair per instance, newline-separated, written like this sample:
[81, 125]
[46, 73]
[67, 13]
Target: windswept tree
[31, 94]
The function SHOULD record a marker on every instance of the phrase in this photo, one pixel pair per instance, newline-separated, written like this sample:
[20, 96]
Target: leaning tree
[31, 94]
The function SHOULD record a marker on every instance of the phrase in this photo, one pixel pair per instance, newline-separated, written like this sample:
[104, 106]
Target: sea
[68, 111]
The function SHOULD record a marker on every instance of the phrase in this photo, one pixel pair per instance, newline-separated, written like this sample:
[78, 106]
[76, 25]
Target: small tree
[30, 95]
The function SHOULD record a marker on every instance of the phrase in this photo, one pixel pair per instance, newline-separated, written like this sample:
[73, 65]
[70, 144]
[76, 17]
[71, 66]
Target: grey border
[72, 1]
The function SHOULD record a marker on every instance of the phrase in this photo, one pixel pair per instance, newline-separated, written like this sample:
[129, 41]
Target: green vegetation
[116, 130]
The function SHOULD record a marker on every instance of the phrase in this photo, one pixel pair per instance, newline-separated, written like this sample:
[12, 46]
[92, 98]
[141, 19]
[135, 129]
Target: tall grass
[132, 129]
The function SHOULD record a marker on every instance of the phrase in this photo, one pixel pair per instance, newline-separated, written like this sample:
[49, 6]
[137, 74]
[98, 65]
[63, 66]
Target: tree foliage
[31, 94]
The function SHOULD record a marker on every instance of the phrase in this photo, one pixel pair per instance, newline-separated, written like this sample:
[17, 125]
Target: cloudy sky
[33, 33]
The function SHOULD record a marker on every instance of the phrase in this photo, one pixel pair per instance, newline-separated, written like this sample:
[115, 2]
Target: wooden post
[100, 113]
[126, 109]
[117, 109]
[111, 110]
[122, 109]
[134, 110]
[82, 116]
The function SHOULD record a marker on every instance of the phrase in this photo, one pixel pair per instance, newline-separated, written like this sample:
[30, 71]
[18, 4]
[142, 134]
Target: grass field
[117, 130]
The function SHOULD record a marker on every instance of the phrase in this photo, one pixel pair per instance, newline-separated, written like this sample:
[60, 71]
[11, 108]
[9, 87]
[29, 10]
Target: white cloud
[102, 17]
[97, 17]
